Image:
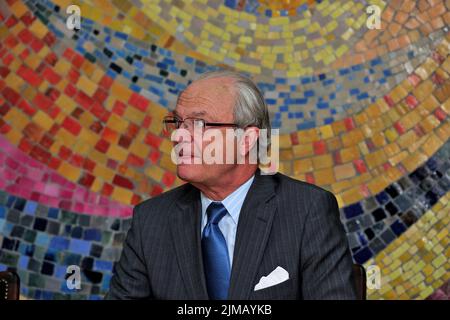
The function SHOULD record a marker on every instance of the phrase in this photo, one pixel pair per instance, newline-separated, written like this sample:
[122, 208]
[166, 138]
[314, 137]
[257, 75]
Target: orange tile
[344, 171]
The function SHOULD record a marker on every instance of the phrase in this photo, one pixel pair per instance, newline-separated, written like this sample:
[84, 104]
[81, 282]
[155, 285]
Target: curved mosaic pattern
[377, 220]
[363, 113]
[27, 178]
[271, 8]
[297, 103]
[184, 25]
[417, 262]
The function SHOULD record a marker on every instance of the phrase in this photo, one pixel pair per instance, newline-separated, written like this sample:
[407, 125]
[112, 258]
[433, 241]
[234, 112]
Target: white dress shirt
[228, 224]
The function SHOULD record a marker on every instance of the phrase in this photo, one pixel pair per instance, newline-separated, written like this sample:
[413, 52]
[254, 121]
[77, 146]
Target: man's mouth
[187, 155]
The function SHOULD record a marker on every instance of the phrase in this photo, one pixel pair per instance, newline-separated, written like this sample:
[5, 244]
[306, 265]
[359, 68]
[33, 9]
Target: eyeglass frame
[177, 121]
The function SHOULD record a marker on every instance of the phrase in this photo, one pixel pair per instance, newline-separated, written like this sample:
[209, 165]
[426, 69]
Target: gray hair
[250, 108]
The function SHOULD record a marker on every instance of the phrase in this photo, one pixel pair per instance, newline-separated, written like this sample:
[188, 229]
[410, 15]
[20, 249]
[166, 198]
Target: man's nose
[183, 135]
[185, 125]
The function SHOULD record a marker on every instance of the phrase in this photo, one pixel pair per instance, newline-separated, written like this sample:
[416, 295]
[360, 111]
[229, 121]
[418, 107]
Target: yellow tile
[166, 163]
[120, 91]
[349, 154]
[38, 28]
[306, 136]
[352, 138]
[139, 149]
[65, 103]
[18, 8]
[303, 150]
[375, 159]
[285, 141]
[302, 166]
[86, 85]
[391, 150]
[415, 160]
[326, 132]
[154, 172]
[432, 144]
[117, 153]
[117, 123]
[122, 195]
[324, 177]
[323, 161]
[439, 260]
[378, 140]
[166, 146]
[69, 172]
[43, 120]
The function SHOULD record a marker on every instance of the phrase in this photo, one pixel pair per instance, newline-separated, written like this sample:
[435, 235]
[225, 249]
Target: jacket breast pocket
[282, 291]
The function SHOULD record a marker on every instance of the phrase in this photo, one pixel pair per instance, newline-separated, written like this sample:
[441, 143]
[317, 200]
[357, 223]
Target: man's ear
[248, 140]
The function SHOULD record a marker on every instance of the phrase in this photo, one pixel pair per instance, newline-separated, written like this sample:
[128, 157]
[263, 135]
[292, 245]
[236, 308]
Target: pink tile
[25, 177]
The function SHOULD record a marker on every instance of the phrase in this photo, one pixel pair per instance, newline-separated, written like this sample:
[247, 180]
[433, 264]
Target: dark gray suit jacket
[283, 222]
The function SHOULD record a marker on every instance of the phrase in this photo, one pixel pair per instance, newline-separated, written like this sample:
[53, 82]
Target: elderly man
[232, 232]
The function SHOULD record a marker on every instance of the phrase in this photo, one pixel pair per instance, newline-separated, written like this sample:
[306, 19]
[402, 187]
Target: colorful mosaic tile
[41, 242]
[295, 104]
[33, 181]
[375, 222]
[363, 113]
[333, 29]
[416, 264]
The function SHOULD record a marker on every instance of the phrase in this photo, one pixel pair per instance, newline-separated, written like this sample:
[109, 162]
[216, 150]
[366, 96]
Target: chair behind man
[360, 281]
[9, 285]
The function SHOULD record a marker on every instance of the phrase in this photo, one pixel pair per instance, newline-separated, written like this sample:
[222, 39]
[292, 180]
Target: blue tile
[23, 262]
[42, 239]
[363, 255]
[382, 197]
[322, 105]
[363, 96]
[354, 91]
[80, 246]
[59, 243]
[103, 265]
[343, 72]
[353, 210]
[92, 235]
[10, 201]
[376, 61]
[53, 213]
[328, 121]
[60, 271]
[398, 228]
[357, 67]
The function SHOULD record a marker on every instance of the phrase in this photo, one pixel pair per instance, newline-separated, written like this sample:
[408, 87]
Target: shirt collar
[233, 202]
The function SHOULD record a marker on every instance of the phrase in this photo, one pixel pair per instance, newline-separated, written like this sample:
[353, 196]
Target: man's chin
[190, 172]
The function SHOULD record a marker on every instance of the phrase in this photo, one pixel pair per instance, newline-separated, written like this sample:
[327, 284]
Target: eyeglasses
[173, 123]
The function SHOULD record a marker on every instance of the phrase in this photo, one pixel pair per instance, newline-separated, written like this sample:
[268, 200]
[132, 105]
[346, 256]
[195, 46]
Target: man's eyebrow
[191, 114]
[198, 113]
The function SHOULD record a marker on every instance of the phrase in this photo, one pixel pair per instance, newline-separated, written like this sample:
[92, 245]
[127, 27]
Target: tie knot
[215, 211]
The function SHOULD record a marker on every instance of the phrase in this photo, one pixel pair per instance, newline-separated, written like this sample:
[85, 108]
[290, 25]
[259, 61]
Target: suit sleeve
[326, 261]
[130, 280]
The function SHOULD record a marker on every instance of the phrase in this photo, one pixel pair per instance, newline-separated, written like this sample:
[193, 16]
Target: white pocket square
[277, 276]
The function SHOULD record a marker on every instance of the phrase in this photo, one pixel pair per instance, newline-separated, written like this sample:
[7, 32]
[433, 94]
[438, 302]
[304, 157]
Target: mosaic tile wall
[362, 113]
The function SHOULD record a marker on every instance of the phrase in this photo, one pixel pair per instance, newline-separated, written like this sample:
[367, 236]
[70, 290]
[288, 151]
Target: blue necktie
[215, 254]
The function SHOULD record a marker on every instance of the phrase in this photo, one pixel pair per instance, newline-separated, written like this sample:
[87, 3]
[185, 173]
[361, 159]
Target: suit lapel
[255, 221]
[185, 228]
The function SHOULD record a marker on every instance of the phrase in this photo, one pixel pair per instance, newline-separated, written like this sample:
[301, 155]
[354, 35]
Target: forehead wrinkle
[195, 99]
[207, 94]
